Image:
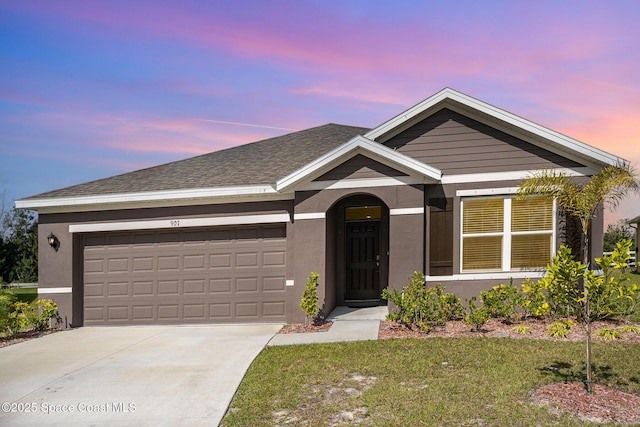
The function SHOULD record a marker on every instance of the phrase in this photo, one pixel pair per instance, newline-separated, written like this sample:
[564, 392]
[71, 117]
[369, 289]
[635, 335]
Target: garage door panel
[143, 312]
[194, 287]
[142, 288]
[212, 275]
[246, 259]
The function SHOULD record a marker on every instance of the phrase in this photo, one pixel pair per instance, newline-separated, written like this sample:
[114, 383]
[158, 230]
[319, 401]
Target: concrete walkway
[349, 324]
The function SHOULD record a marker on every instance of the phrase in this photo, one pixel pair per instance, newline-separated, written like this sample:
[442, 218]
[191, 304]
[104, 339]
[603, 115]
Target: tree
[583, 201]
[19, 247]
[617, 233]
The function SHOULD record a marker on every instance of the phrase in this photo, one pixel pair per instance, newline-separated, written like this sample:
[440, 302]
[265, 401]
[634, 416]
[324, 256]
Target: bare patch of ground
[340, 401]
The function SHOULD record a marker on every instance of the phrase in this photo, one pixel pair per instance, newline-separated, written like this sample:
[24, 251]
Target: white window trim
[507, 196]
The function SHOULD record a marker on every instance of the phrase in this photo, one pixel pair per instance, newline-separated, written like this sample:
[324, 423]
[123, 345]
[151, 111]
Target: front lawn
[410, 382]
[27, 295]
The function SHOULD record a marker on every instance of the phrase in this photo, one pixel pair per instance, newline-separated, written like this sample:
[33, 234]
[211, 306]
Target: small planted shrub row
[558, 295]
[17, 316]
[422, 307]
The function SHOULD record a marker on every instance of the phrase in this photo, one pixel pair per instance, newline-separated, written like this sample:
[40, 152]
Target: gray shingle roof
[258, 163]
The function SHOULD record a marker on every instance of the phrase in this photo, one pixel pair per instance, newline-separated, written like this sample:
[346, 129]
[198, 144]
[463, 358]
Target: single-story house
[233, 235]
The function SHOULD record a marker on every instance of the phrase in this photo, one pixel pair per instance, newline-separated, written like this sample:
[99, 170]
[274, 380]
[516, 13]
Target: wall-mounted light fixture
[53, 241]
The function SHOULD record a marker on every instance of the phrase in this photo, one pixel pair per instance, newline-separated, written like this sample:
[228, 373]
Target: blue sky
[90, 89]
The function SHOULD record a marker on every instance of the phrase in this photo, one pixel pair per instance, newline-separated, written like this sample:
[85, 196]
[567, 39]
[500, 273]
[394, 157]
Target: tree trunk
[587, 309]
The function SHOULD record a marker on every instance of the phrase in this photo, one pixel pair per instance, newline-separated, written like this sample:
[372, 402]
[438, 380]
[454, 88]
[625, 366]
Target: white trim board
[178, 223]
[487, 192]
[406, 211]
[488, 276]
[188, 197]
[509, 176]
[45, 291]
[309, 215]
[362, 182]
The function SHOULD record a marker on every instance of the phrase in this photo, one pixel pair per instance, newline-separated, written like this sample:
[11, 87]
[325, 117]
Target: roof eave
[148, 199]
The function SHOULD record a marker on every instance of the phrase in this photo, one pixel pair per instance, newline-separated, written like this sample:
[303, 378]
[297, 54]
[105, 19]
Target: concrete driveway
[155, 375]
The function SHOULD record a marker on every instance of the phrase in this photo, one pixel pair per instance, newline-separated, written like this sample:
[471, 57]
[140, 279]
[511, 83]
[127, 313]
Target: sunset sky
[90, 89]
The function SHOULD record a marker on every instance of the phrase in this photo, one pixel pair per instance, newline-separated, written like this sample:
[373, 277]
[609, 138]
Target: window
[503, 234]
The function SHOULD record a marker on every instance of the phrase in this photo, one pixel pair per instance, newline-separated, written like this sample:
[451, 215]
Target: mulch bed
[537, 329]
[300, 328]
[604, 405]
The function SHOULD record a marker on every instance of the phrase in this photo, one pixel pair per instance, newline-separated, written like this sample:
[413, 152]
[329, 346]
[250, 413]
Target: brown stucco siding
[359, 167]
[309, 241]
[456, 144]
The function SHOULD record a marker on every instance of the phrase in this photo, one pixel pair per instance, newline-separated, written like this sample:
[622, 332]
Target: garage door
[176, 276]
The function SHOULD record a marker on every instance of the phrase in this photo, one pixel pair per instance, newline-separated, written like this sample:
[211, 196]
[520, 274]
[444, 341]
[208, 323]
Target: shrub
[503, 301]
[631, 329]
[561, 328]
[609, 333]
[309, 300]
[423, 308]
[20, 317]
[534, 299]
[521, 329]
[47, 310]
[609, 296]
[476, 316]
[7, 301]
[561, 284]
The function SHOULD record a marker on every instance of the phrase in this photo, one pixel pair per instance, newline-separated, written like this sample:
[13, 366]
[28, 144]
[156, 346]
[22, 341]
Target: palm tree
[606, 188]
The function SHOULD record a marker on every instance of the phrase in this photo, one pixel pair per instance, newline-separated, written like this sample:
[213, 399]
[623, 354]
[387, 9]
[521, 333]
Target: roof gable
[458, 144]
[486, 113]
[359, 146]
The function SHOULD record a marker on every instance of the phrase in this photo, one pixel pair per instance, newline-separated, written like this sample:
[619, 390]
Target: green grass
[437, 382]
[27, 295]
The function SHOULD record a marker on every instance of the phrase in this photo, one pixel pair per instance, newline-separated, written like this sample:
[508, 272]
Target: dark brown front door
[363, 260]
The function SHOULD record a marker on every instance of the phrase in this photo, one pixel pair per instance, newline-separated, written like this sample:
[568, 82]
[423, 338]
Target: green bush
[609, 333]
[561, 284]
[534, 299]
[421, 307]
[46, 310]
[7, 301]
[476, 316]
[503, 301]
[20, 317]
[16, 316]
[610, 296]
[561, 328]
[309, 300]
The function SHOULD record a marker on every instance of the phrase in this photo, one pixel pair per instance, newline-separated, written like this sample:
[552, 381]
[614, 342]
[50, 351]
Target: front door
[362, 260]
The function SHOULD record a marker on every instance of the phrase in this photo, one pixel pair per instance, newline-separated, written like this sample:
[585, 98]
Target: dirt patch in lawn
[339, 403]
